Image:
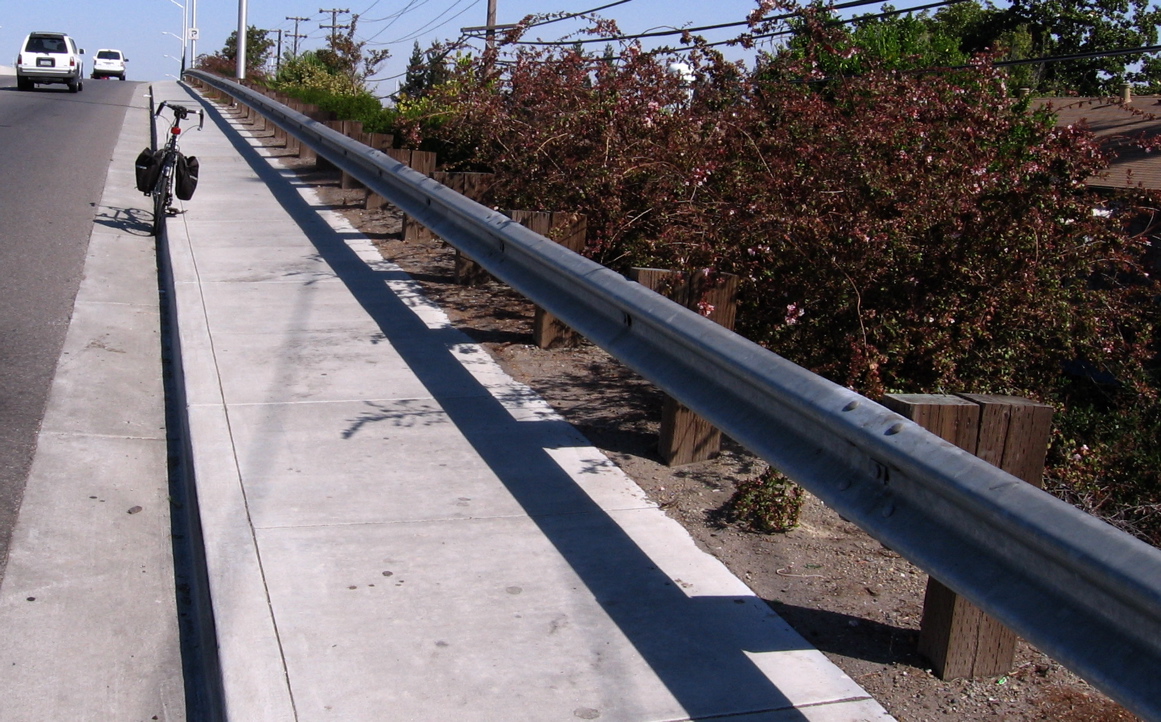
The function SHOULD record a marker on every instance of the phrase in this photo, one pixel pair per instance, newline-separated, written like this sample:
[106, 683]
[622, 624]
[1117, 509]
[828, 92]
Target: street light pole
[240, 74]
[182, 61]
[193, 36]
[184, 33]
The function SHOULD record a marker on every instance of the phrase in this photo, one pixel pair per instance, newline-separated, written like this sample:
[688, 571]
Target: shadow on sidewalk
[698, 647]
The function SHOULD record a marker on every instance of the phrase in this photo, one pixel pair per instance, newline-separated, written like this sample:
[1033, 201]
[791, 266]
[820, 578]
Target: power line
[431, 25]
[370, 8]
[1075, 56]
[683, 31]
[450, 48]
[411, 5]
[570, 16]
[856, 19]
[547, 21]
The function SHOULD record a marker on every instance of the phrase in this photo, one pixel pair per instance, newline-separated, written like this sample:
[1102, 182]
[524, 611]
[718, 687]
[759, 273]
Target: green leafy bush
[767, 503]
[309, 78]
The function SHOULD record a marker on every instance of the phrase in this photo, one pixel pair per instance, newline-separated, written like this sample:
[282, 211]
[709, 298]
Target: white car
[50, 58]
[108, 63]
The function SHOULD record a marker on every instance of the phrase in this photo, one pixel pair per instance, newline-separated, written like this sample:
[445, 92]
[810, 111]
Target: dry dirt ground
[854, 599]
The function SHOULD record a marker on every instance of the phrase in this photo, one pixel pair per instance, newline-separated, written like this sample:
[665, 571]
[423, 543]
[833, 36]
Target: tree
[425, 70]
[888, 39]
[1066, 27]
[413, 82]
[344, 55]
[1052, 28]
[258, 49]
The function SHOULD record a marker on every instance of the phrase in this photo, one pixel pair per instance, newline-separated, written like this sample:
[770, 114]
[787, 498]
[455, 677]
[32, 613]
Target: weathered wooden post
[473, 186]
[409, 158]
[686, 437]
[1012, 434]
[569, 230]
[383, 142]
[313, 112]
[348, 128]
[280, 135]
[424, 162]
[259, 122]
[320, 163]
[293, 144]
[354, 131]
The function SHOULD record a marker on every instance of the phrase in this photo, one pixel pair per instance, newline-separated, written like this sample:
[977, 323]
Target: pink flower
[793, 313]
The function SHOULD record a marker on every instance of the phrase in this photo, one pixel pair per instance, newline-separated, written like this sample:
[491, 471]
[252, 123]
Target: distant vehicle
[109, 63]
[50, 58]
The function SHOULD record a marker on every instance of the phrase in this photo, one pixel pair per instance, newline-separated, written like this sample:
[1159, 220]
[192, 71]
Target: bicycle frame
[162, 192]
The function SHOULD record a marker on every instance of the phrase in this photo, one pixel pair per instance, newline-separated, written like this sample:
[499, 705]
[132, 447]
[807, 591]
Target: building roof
[1117, 123]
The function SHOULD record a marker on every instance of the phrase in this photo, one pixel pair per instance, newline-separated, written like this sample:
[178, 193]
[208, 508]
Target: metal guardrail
[1082, 591]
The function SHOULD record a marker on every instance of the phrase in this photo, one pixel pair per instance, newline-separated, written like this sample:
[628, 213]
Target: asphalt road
[55, 149]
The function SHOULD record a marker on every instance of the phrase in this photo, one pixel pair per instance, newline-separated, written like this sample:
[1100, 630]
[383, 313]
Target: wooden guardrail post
[300, 150]
[293, 144]
[471, 185]
[354, 131]
[313, 112]
[569, 230]
[261, 123]
[383, 142]
[350, 128]
[248, 113]
[685, 437]
[425, 159]
[1012, 434]
[424, 162]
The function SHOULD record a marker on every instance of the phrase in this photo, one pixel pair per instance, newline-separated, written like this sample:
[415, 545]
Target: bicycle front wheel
[161, 194]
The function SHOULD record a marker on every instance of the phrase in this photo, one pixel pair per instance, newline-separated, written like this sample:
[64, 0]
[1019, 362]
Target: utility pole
[296, 36]
[278, 57]
[491, 32]
[334, 27]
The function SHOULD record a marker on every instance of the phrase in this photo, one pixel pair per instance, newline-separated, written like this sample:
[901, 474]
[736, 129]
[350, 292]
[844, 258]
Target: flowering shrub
[894, 231]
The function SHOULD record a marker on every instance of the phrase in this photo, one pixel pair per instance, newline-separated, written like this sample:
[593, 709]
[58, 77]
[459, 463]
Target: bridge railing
[1082, 591]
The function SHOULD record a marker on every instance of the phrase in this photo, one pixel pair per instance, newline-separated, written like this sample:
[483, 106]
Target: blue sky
[148, 31]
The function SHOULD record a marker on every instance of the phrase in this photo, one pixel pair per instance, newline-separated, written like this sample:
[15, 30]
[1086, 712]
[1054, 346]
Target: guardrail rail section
[1082, 591]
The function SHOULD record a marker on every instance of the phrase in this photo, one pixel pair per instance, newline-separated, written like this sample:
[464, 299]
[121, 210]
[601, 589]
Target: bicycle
[162, 189]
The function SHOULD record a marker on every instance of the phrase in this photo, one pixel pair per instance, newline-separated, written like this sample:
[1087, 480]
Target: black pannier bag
[186, 177]
[148, 168]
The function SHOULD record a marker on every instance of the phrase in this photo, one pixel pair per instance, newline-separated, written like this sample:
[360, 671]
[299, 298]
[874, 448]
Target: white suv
[50, 58]
[109, 63]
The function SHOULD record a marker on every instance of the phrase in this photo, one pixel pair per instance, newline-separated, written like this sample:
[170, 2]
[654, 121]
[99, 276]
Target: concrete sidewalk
[395, 530]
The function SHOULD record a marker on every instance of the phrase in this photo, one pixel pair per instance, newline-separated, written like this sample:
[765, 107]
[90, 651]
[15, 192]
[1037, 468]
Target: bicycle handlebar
[181, 112]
